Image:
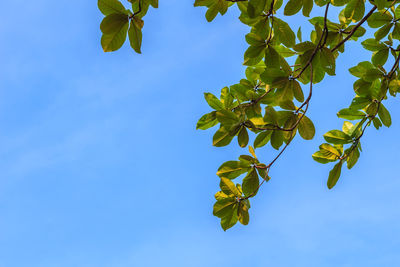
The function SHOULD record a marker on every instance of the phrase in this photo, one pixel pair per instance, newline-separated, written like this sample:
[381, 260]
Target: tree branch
[268, 167]
[371, 118]
[354, 29]
[320, 43]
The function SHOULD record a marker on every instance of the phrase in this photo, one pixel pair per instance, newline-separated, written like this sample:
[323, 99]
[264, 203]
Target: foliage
[120, 22]
[270, 102]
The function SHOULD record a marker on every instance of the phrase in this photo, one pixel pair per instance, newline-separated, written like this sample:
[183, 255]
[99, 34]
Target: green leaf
[272, 57]
[394, 85]
[337, 137]
[339, 2]
[380, 57]
[262, 28]
[222, 6]
[222, 137]
[384, 115]
[293, 7]
[252, 152]
[220, 195]
[135, 34]
[372, 75]
[207, 121]
[226, 209]
[227, 117]
[396, 31]
[331, 149]
[226, 98]
[328, 61]
[377, 123]
[213, 101]
[299, 37]
[240, 91]
[114, 41]
[223, 206]
[276, 139]
[334, 175]
[230, 219]
[352, 158]
[108, 7]
[307, 7]
[380, 4]
[378, 19]
[250, 183]
[273, 76]
[263, 172]
[144, 7]
[372, 109]
[254, 39]
[243, 137]
[322, 2]
[201, 2]
[113, 23]
[382, 32]
[397, 12]
[212, 12]
[290, 123]
[297, 91]
[255, 7]
[306, 128]
[253, 113]
[355, 10]
[373, 45]
[284, 51]
[232, 169]
[326, 154]
[262, 139]
[243, 213]
[229, 188]
[360, 31]
[284, 94]
[254, 51]
[248, 160]
[284, 32]
[271, 115]
[361, 69]
[154, 3]
[320, 157]
[348, 128]
[359, 103]
[350, 114]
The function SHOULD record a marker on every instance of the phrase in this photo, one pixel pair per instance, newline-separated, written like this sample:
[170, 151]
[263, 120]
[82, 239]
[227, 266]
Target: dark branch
[137, 12]
[354, 29]
[268, 167]
[319, 45]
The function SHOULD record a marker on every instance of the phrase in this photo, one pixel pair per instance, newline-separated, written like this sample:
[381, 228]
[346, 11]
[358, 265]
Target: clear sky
[101, 165]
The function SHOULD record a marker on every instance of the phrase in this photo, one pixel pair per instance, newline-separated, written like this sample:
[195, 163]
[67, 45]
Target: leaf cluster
[270, 101]
[120, 22]
[269, 104]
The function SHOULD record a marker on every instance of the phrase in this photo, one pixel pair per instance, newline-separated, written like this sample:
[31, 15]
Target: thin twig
[372, 117]
[137, 12]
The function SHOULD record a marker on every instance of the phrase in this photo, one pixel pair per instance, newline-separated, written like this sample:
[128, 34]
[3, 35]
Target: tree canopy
[271, 101]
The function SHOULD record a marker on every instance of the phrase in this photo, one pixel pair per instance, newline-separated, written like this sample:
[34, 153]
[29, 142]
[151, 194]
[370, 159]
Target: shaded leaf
[334, 175]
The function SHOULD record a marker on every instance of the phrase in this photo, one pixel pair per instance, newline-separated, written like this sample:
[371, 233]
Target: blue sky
[101, 165]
